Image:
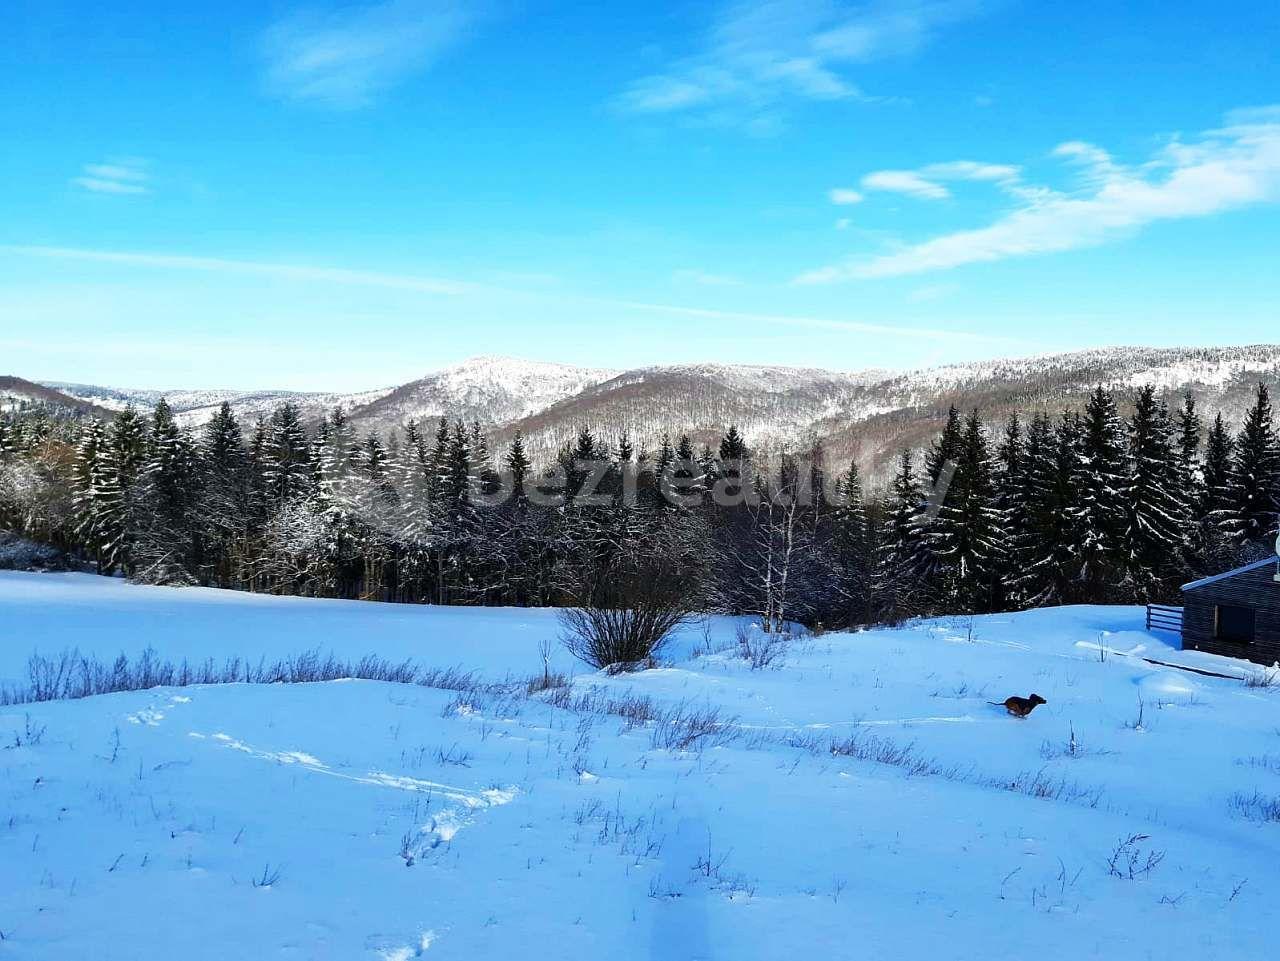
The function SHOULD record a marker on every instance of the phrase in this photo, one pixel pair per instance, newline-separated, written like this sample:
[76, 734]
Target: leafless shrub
[268, 877]
[686, 728]
[545, 681]
[464, 703]
[30, 736]
[453, 755]
[409, 848]
[881, 750]
[1072, 747]
[1267, 762]
[70, 675]
[625, 613]
[1255, 806]
[1129, 861]
[759, 648]
[1040, 785]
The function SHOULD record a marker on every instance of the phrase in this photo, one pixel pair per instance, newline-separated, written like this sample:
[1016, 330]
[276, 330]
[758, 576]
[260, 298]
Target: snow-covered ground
[361, 819]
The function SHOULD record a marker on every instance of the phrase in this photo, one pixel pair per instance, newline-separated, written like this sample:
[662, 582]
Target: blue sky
[349, 195]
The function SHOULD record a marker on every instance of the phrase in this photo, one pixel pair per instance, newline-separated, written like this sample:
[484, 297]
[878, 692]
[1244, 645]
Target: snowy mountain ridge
[867, 414]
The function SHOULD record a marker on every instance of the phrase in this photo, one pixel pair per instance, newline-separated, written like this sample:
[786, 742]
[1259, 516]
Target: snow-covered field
[361, 819]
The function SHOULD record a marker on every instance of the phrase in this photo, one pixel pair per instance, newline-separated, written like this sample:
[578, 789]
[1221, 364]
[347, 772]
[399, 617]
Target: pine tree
[1048, 544]
[1252, 491]
[851, 545]
[96, 498]
[518, 465]
[286, 463]
[578, 462]
[966, 537]
[1219, 451]
[483, 480]
[1011, 501]
[125, 457]
[166, 550]
[1189, 426]
[686, 477]
[223, 507]
[733, 448]
[411, 477]
[1101, 511]
[1157, 513]
[946, 449]
[897, 567]
[222, 445]
[438, 463]
[626, 449]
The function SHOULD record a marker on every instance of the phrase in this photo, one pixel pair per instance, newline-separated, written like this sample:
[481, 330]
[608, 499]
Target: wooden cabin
[1236, 614]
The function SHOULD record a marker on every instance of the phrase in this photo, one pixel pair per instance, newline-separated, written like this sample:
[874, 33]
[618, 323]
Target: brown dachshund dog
[1020, 706]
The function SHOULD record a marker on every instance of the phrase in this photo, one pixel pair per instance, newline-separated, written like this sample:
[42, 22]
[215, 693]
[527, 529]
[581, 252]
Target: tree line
[1082, 506]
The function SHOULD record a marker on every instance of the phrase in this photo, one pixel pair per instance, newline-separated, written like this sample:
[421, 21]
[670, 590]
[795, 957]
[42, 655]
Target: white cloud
[905, 182]
[1229, 168]
[115, 177]
[923, 183]
[843, 196]
[760, 53]
[345, 58]
[970, 170]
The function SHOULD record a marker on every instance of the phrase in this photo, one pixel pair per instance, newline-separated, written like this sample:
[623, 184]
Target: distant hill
[17, 393]
[869, 415]
[196, 406]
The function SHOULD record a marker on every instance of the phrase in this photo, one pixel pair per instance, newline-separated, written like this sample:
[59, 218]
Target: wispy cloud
[1235, 166]
[344, 58]
[927, 182]
[905, 182]
[337, 275]
[438, 286]
[113, 177]
[844, 197]
[758, 54]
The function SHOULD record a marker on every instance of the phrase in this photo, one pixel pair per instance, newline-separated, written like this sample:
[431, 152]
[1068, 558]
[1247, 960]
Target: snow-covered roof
[1204, 581]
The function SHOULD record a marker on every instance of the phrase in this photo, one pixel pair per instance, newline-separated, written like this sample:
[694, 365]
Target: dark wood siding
[1256, 589]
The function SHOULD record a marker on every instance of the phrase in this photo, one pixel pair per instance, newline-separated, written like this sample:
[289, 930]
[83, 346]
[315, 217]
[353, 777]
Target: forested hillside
[1119, 499]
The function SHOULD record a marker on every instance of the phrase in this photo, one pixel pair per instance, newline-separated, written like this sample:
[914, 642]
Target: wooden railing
[1162, 617]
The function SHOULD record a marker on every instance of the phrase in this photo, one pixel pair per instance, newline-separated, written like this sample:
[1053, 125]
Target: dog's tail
[996, 703]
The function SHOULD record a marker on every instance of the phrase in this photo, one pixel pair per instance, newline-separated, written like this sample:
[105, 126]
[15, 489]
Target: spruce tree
[1100, 509]
[732, 446]
[946, 449]
[1011, 500]
[96, 498]
[851, 545]
[1157, 512]
[897, 571]
[965, 539]
[518, 465]
[1250, 514]
[1048, 545]
[286, 456]
[1219, 451]
[439, 463]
